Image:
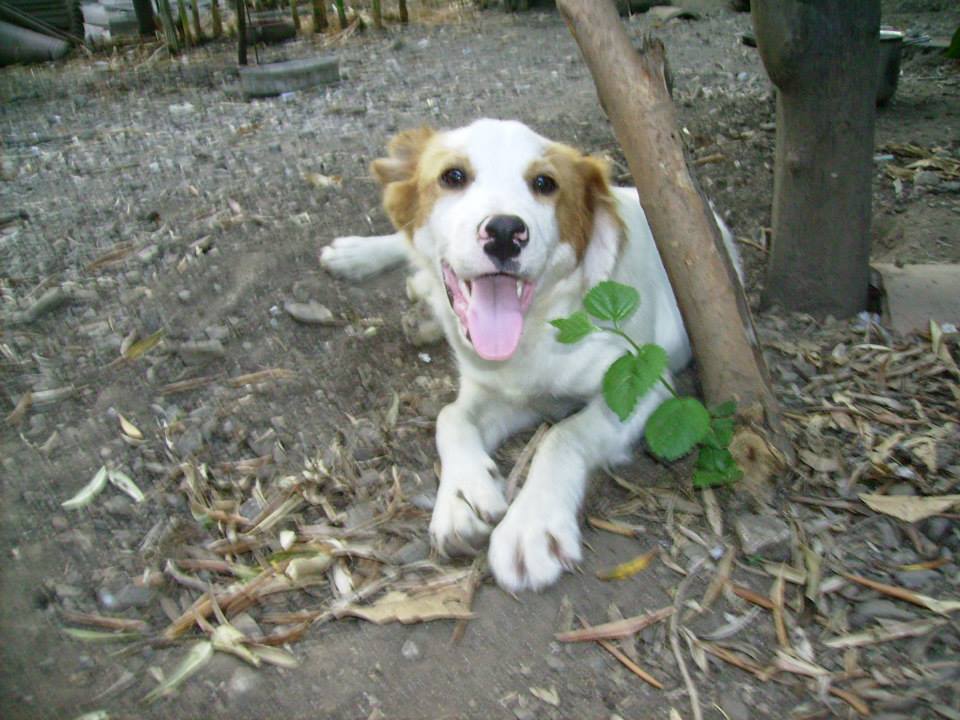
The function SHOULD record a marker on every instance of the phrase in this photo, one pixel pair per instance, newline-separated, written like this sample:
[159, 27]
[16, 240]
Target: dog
[505, 231]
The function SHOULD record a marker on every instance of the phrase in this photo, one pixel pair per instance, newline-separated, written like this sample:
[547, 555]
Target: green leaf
[723, 410]
[651, 361]
[711, 458]
[721, 433]
[715, 467]
[953, 51]
[711, 478]
[676, 427]
[574, 328]
[611, 301]
[620, 386]
[631, 376]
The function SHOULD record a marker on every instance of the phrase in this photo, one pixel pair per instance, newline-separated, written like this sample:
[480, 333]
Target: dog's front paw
[352, 258]
[533, 546]
[469, 503]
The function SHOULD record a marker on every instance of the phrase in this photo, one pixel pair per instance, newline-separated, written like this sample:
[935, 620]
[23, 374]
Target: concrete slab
[289, 76]
[915, 294]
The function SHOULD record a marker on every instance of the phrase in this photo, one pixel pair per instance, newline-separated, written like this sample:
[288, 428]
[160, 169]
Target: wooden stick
[624, 660]
[617, 628]
[632, 89]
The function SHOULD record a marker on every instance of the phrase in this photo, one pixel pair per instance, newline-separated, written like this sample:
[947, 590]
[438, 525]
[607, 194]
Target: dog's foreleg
[356, 258]
[470, 499]
[539, 537]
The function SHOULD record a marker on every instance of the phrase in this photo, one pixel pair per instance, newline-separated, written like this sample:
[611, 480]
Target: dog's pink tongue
[494, 318]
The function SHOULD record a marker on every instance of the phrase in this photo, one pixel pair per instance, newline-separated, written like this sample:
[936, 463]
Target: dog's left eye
[543, 185]
[453, 178]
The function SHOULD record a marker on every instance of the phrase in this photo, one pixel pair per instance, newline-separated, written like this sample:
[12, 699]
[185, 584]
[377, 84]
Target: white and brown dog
[507, 230]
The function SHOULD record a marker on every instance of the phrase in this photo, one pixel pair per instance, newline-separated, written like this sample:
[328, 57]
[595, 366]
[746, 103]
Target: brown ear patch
[398, 174]
[583, 189]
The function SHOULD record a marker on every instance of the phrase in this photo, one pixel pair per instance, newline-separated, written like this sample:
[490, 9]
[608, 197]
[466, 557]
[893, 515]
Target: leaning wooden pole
[633, 90]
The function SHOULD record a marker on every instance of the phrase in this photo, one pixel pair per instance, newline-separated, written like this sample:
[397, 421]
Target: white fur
[536, 538]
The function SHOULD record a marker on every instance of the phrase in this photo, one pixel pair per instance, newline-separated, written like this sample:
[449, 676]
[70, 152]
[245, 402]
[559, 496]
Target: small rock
[188, 442]
[184, 295]
[198, 353]
[414, 551]
[733, 707]
[148, 254]
[310, 313]
[130, 596]
[926, 178]
[935, 528]
[555, 663]
[763, 535]
[49, 301]
[244, 681]
[117, 505]
[869, 610]
[916, 579]
[410, 650]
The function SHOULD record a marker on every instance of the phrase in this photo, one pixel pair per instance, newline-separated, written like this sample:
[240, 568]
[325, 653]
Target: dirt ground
[143, 199]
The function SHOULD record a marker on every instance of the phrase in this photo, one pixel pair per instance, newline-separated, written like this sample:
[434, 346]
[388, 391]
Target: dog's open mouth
[490, 309]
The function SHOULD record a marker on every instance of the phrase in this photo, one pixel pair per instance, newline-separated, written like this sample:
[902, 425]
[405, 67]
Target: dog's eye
[543, 185]
[453, 178]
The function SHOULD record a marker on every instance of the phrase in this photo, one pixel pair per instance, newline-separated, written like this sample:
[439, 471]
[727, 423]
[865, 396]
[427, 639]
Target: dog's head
[503, 215]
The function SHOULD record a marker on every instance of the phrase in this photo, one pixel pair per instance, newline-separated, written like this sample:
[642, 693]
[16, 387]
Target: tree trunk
[144, 13]
[377, 14]
[404, 17]
[197, 27]
[169, 28]
[633, 90]
[241, 32]
[184, 23]
[341, 14]
[822, 56]
[295, 15]
[320, 22]
[216, 19]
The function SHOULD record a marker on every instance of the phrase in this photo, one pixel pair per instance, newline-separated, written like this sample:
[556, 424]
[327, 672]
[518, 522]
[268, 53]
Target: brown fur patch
[583, 189]
[410, 176]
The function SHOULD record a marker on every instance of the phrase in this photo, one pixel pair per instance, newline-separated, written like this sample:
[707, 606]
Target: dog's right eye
[453, 178]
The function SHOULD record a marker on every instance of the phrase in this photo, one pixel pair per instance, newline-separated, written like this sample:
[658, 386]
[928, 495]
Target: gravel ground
[159, 236]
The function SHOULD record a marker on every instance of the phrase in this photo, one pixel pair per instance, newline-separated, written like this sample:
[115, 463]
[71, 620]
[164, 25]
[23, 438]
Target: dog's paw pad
[530, 550]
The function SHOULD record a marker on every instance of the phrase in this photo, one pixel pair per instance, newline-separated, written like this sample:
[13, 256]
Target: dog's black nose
[505, 236]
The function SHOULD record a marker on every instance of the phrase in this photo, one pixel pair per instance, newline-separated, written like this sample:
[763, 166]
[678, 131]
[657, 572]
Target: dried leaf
[548, 696]
[617, 628]
[397, 606]
[818, 462]
[88, 492]
[85, 635]
[144, 346]
[910, 508]
[95, 715]
[629, 568]
[123, 482]
[323, 181]
[226, 638]
[198, 656]
[885, 633]
[20, 411]
[275, 656]
[129, 429]
[943, 607]
[791, 663]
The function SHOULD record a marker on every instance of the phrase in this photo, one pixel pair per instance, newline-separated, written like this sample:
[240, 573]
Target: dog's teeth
[466, 287]
[519, 288]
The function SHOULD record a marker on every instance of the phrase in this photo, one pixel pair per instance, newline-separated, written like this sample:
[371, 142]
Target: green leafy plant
[679, 424]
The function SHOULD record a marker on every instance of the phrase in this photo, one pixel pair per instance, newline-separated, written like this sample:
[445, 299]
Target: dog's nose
[503, 236]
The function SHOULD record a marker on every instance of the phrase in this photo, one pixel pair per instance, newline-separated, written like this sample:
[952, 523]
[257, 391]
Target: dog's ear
[606, 235]
[397, 174]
